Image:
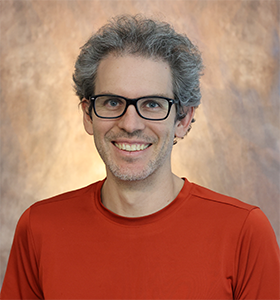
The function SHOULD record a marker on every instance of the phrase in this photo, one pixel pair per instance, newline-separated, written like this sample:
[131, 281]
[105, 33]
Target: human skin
[132, 77]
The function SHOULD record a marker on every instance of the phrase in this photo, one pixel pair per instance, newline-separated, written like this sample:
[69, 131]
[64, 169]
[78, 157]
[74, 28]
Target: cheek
[101, 130]
[98, 134]
[101, 126]
[166, 134]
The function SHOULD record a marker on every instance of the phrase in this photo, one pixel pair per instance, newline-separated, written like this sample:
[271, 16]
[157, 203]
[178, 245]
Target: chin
[131, 175]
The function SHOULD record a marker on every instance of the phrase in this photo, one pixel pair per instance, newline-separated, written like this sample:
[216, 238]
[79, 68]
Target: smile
[131, 147]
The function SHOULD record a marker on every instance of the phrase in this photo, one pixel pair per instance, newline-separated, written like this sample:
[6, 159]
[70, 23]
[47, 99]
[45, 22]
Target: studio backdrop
[233, 147]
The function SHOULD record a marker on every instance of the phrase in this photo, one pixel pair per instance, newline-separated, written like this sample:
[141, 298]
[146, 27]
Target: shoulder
[225, 212]
[66, 198]
[60, 208]
[219, 200]
[249, 219]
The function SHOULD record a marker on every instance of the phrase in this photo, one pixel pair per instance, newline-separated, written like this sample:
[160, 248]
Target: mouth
[131, 147]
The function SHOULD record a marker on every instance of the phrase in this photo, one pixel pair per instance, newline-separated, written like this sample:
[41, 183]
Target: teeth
[131, 148]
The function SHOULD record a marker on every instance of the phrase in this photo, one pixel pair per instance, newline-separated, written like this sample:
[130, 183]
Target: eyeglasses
[154, 108]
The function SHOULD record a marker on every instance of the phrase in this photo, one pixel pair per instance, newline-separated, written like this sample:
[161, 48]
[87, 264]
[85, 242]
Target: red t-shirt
[201, 246]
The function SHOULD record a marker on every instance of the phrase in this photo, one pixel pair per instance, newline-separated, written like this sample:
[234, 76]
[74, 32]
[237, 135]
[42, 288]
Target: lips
[131, 147]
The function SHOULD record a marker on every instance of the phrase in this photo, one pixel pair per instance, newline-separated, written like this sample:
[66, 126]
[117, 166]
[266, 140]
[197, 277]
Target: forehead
[133, 76]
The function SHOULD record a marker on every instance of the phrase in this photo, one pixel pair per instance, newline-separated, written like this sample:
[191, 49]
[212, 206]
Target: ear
[182, 126]
[86, 117]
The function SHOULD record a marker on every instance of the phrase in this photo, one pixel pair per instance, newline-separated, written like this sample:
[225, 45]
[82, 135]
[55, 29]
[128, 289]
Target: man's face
[131, 147]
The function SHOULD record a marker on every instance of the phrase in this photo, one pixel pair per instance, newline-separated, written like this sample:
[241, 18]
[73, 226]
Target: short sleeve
[257, 261]
[21, 278]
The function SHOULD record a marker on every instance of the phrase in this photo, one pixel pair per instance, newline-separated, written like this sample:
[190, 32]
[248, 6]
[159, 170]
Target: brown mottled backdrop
[233, 147]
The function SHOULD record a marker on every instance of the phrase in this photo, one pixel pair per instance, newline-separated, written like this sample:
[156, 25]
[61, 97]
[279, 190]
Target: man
[143, 232]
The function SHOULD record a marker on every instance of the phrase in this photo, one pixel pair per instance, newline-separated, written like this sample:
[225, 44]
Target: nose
[131, 121]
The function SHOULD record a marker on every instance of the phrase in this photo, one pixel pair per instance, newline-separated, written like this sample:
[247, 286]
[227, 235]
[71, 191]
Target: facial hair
[130, 173]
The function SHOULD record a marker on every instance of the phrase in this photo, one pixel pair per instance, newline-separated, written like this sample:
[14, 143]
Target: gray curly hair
[148, 38]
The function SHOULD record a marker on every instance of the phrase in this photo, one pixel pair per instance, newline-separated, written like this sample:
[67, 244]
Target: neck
[140, 198]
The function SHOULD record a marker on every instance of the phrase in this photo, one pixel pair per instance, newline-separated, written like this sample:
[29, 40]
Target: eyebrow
[150, 95]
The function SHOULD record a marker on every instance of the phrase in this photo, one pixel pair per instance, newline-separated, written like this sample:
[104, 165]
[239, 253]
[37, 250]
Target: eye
[112, 102]
[152, 104]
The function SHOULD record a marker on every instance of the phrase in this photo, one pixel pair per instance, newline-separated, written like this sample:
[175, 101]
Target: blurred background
[233, 147]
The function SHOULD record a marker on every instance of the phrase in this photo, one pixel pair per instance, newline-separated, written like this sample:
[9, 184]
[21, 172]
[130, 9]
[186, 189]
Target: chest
[102, 262]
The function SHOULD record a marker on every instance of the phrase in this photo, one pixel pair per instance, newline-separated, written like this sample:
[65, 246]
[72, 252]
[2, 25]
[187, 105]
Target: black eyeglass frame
[134, 103]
